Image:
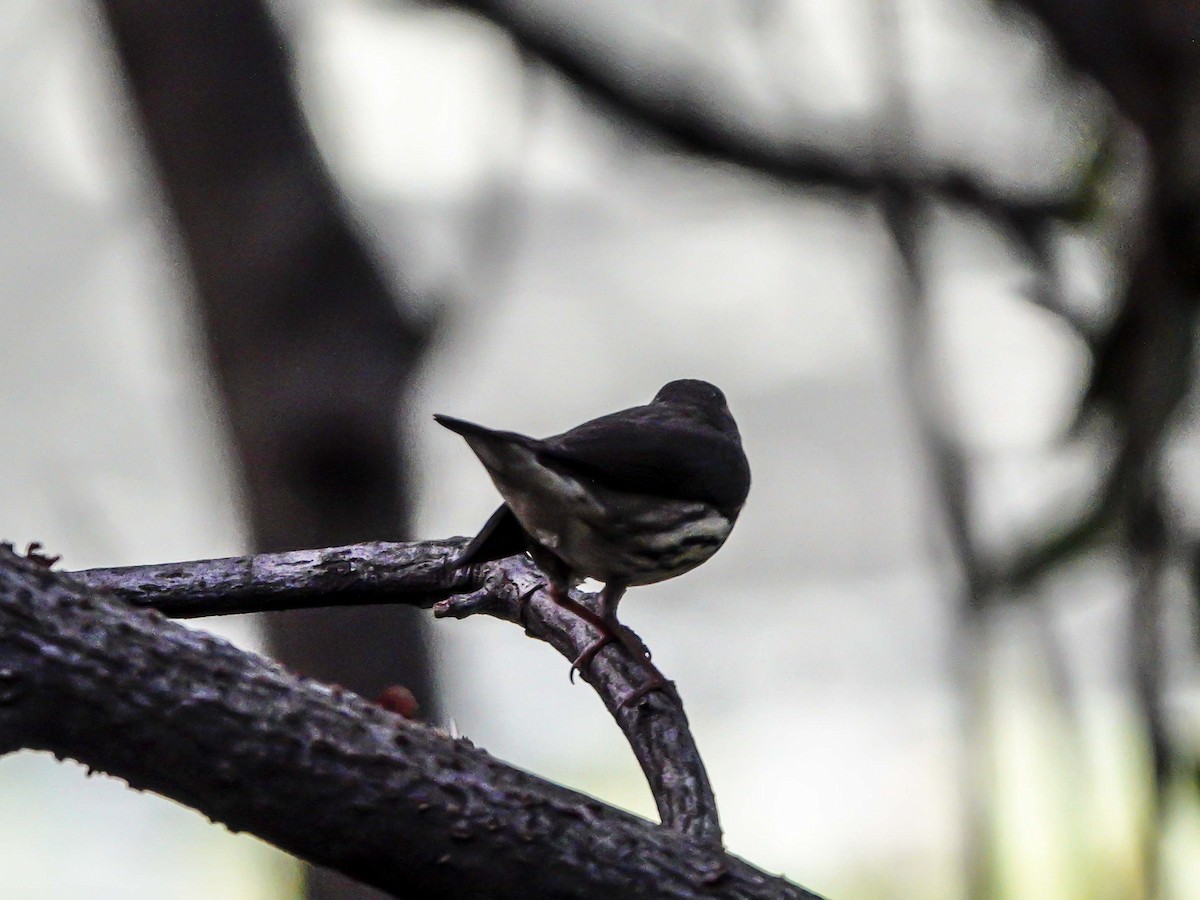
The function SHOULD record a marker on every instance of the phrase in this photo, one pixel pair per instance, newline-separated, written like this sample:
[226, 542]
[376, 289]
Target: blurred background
[943, 257]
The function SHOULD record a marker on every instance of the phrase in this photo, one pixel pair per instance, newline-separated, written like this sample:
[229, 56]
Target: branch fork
[323, 773]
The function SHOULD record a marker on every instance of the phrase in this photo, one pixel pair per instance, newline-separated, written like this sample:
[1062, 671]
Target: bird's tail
[466, 429]
[497, 450]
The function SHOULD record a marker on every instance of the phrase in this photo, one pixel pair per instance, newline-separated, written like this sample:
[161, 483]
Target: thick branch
[416, 574]
[316, 770]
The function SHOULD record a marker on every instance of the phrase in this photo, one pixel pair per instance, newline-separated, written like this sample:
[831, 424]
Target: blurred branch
[417, 575]
[681, 114]
[1147, 56]
[1094, 527]
[315, 770]
[902, 215]
[1125, 45]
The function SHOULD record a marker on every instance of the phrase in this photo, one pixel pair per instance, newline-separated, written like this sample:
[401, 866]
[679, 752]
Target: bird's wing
[642, 451]
[500, 537]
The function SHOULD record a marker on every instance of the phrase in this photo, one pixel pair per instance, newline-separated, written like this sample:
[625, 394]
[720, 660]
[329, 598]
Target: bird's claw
[655, 682]
[584, 659]
[613, 632]
[634, 644]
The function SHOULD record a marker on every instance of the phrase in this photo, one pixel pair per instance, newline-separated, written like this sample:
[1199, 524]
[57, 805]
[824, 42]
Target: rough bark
[316, 770]
[416, 574]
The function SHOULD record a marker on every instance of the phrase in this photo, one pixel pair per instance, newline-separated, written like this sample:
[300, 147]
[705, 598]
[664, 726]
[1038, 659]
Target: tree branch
[382, 572]
[678, 110]
[416, 574]
[313, 769]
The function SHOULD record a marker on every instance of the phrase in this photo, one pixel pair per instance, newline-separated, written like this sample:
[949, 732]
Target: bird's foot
[635, 645]
[611, 631]
[657, 682]
[607, 633]
[584, 659]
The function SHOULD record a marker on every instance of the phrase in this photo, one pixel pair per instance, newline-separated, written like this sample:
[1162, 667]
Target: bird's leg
[610, 630]
[558, 593]
[614, 630]
[655, 680]
[609, 598]
[584, 659]
[559, 577]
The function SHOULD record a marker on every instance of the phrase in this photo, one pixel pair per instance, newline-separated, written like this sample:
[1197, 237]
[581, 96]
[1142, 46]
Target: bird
[631, 498]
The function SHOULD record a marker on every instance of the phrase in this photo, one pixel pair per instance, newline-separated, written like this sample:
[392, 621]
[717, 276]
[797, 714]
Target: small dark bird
[630, 498]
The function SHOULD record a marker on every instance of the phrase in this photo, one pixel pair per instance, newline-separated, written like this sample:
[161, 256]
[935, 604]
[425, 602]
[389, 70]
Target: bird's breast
[598, 532]
[617, 536]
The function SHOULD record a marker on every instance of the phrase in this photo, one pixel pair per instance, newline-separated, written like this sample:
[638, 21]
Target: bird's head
[699, 399]
[691, 392]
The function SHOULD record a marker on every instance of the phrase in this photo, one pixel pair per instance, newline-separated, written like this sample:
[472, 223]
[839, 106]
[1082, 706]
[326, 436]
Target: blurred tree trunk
[312, 352]
[1147, 56]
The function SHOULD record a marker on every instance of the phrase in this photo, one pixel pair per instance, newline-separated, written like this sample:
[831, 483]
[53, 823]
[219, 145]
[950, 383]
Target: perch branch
[382, 572]
[416, 574]
[313, 769]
